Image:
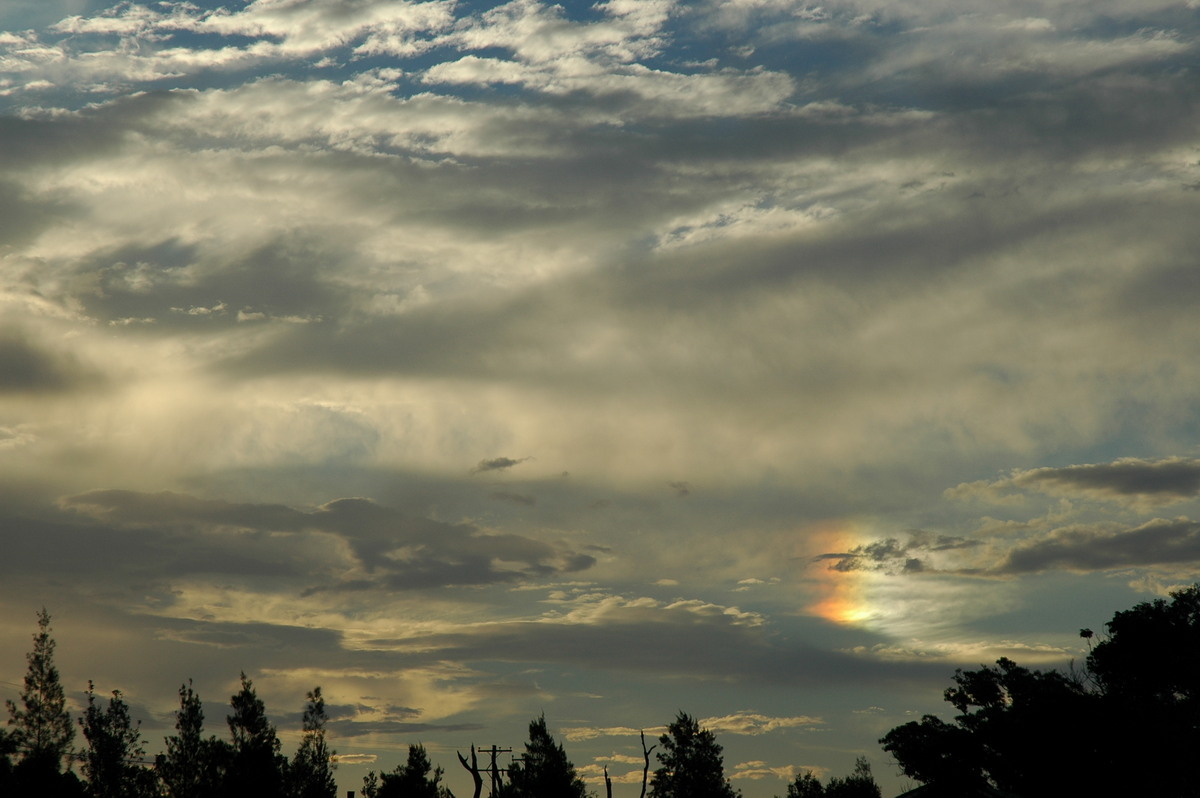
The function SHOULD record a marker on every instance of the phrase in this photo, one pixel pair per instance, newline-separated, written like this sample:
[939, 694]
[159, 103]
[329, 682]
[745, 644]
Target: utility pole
[493, 769]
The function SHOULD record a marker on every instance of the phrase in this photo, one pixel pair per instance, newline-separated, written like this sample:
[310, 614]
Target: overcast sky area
[766, 360]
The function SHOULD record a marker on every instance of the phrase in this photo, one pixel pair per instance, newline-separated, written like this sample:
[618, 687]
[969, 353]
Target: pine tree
[42, 726]
[544, 771]
[111, 762]
[312, 769]
[192, 766]
[692, 764]
[412, 779]
[255, 764]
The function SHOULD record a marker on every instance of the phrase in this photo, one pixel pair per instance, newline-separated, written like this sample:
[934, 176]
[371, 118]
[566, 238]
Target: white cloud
[754, 724]
[758, 769]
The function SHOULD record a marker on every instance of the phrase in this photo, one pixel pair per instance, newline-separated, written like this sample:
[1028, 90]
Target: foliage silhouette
[805, 785]
[370, 785]
[859, 784]
[311, 771]
[691, 762]
[544, 771]
[193, 766]
[112, 761]
[42, 727]
[255, 765]
[1048, 733]
[416, 778]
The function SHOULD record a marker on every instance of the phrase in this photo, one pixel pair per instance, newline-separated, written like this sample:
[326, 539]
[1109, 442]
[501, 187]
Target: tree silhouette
[413, 779]
[370, 785]
[1016, 727]
[859, 784]
[1147, 673]
[42, 729]
[255, 764]
[473, 769]
[805, 785]
[1047, 733]
[193, 765]
[311, 772]
[42, 726]
[8, 747]
[544, 771]
[692, 764]
[112, 760]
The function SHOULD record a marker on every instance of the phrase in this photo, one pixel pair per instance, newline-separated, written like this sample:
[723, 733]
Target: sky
[758, 359]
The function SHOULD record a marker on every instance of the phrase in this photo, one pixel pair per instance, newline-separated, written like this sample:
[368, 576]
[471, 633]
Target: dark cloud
[1169, 479]
[893, 555]
[683, 641]
[515, 498]
[248, 635]
[137, 556]
[399, 728]
[1084, 548]
[57, 139]
[400, 552]
[182, 287]
[497, 464]
[28, 367]
[167, 508]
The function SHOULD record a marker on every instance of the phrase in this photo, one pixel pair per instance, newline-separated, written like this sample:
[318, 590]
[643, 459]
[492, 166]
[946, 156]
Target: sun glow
[841, 596]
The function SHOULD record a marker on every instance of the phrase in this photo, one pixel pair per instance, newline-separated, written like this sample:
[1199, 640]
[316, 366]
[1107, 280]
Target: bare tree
[473, 769]
[646, 770]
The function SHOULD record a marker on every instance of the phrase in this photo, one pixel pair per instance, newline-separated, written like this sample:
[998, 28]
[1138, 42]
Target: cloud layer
[758, 358]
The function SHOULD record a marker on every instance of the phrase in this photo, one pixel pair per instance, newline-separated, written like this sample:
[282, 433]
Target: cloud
[754, 724]
[498, 464]
[579, 733]
[758, 769]
[355, 759]
[679, 641]
[389, 550]
[1098, 548]
[893, 555]
[515, 498]
[967, 651]
[1129, 481]
[26, 367]
[1162, 481]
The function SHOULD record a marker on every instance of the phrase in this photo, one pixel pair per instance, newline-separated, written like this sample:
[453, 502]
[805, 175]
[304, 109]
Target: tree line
[37, 754]
[691, 765]
[1018, 732]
